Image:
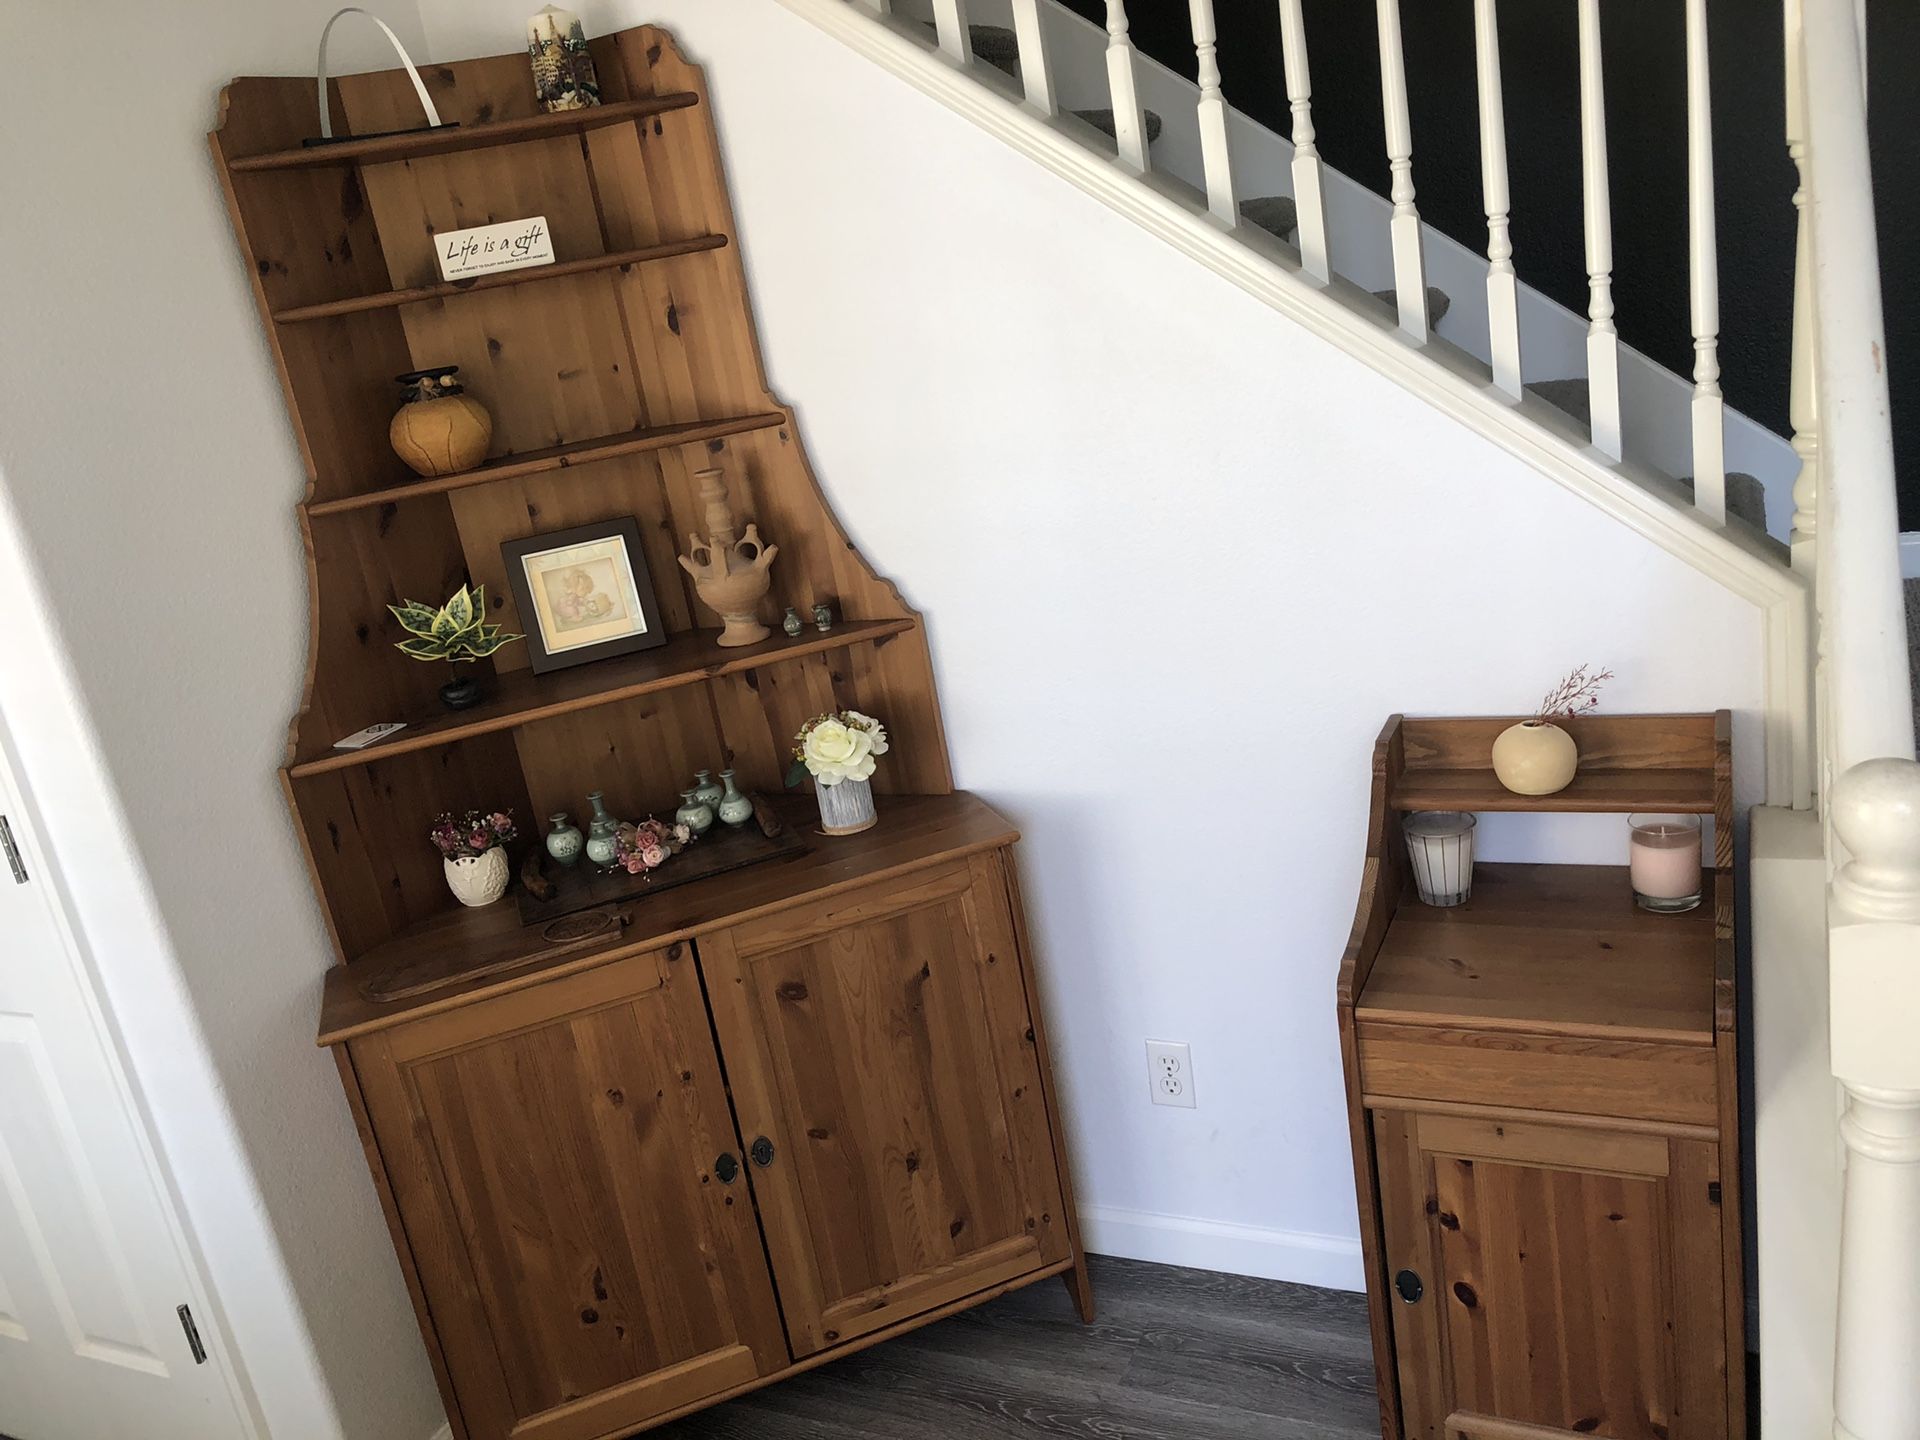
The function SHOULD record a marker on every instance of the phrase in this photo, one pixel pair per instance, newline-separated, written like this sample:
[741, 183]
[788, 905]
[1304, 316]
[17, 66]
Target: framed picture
[584, 594]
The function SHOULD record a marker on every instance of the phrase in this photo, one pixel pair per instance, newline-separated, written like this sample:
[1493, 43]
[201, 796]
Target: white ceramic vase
[846, 808]
[478, 879]
[1534, 757]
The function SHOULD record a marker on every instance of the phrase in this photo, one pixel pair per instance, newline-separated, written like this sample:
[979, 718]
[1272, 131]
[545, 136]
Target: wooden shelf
[558, 457]
[1548, 949]
[1597, 791]
[413, 144]
[520, 698]
[914, 831]
[390, 299]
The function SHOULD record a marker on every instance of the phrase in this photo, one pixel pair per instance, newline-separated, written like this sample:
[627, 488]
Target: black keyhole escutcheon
[726, 1167]
[1409, 1287]
[762, 1152]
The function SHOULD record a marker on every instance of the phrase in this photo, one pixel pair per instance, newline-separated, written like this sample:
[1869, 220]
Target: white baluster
[1409, 260]
[1803, 406]
[1215, 153]
[1709, 410]
[956, 38]
[1036, 66]
[1503, 295]
[1129, 123]
[1603, 341]
[1309, 196]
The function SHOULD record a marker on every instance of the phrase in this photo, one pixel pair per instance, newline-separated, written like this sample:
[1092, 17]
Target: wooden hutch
[1544, 1098]
[762, 1118]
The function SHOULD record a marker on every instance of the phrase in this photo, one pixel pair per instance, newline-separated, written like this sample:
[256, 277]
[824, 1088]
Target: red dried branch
[1578, 694]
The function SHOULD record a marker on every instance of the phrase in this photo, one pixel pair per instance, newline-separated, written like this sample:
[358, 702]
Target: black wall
[1644, 42]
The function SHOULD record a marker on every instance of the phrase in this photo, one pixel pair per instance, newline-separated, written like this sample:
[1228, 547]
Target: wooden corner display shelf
[756, 1120]
[1542, 1086]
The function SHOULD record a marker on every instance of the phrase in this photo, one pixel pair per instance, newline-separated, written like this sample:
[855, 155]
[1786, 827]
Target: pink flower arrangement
[648, 845]
[473, 833]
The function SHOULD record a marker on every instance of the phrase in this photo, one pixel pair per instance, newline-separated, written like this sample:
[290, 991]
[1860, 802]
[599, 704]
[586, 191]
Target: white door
[92, 1270]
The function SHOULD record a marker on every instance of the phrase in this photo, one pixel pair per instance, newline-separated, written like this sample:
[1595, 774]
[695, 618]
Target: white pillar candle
[1664, 861]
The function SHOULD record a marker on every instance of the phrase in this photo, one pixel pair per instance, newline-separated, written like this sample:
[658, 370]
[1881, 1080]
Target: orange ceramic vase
[441, 430]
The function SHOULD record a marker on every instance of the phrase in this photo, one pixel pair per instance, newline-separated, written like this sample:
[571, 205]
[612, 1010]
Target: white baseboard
[445, 1432]
[1329, 1261]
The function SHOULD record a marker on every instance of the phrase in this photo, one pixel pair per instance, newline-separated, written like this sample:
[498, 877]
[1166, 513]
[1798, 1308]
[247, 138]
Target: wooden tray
[583, 885]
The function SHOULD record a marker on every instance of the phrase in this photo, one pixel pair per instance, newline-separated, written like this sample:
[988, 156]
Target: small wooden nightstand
[1543, 1091]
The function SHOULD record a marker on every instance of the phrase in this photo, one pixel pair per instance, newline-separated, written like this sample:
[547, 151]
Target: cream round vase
[1534, 758]
[478, 879]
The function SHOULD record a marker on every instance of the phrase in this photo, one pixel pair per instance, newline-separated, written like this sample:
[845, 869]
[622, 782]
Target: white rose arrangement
[837, 747]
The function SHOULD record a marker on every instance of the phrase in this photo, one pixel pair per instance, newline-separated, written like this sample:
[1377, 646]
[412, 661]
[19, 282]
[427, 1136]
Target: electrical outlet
[1170, 1073]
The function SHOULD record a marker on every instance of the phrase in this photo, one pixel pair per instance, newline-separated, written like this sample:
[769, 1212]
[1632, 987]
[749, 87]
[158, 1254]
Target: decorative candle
[1664, 862]
[563, 73]
[1440, 844]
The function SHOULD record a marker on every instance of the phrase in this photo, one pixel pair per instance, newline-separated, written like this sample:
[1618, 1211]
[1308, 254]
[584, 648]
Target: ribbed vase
[846, 808]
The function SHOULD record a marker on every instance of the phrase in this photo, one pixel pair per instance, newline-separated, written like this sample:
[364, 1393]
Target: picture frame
[584, 594]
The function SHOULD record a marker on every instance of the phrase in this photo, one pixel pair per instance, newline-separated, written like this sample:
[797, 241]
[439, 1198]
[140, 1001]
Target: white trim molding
[1331, 1262]
[1652, 506]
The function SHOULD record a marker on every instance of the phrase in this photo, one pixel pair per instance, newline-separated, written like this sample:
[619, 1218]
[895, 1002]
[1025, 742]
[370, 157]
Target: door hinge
[12, 850]
[193, 1335]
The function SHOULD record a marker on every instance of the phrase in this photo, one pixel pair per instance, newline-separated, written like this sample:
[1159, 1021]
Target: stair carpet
[999, 47]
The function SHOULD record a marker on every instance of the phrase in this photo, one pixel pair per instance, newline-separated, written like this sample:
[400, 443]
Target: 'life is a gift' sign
[485, 249]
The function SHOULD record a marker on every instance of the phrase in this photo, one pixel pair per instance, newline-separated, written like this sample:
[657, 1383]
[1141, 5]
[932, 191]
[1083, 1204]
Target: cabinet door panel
[1570, 1278]
[552, 1153]
[881, 1041]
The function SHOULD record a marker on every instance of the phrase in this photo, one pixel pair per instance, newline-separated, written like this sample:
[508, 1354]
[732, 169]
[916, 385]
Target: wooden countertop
[1548, 949]
[914, 831]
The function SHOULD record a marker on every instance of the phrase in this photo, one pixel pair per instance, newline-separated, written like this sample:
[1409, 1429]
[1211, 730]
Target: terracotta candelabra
[729, 569]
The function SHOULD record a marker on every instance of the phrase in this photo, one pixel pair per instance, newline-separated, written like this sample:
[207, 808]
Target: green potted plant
[456, 633]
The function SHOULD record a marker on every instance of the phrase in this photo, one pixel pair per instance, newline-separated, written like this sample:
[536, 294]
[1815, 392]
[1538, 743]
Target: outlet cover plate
[1170, 1073]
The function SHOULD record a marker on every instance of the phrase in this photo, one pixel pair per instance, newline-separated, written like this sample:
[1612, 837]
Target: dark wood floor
[1174, 1355]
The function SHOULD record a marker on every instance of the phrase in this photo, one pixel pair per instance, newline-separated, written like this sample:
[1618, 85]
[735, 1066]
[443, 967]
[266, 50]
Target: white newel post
[1309, 197]
[1503, 296]
[956, 36]
[1874, 958]
[1409, 256]
[1709, 409]
[1036, 66]
[1129, 123]
[1603, 340]
[1215, 155]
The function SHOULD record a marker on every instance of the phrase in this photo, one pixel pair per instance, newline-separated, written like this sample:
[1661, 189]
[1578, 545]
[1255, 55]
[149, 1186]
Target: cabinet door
[1566, 1277]
[879, 1041]
[554, 1155]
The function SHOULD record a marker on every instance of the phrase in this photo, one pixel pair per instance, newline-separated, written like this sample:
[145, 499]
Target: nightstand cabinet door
[553, 1156]
[1560, 1276]
[879, 1043]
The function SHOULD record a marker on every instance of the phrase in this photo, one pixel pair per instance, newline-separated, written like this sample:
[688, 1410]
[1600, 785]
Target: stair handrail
[1868, 781]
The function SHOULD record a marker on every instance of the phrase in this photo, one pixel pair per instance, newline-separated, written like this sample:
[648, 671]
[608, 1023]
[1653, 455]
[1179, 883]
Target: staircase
[1806, 530]
[1656, 402]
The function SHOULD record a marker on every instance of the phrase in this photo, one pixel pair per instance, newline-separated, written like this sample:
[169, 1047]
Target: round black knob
[726, 1168]
[1409, 1286]
[762, 1152]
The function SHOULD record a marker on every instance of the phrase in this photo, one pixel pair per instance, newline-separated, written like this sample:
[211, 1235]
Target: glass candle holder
[1440, 844]
[1664, 862]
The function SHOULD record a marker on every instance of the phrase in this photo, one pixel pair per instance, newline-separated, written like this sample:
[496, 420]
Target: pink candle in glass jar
[1664, 862]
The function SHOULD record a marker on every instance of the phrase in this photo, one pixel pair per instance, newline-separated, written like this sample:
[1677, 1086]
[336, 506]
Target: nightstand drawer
[1632, 1080]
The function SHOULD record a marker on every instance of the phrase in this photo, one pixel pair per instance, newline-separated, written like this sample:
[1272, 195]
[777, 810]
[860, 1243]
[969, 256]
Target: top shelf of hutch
[1654, 763]
[413, 144]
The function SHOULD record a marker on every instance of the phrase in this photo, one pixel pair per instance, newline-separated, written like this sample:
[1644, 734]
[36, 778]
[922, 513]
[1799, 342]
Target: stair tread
[1913, 645]
[1571, 396]
[1102, 120]
[995, 44]
[1275, 214]
[1438, 302]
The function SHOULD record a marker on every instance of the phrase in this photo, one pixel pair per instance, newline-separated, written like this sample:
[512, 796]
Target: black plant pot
[460, 694]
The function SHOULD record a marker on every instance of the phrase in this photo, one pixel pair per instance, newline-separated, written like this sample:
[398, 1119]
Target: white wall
[1179, 561]
[152, 474]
